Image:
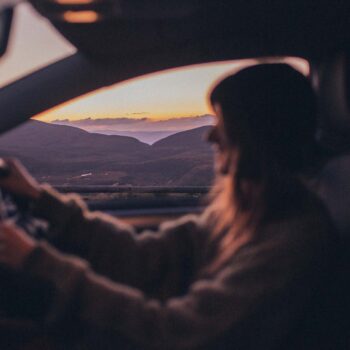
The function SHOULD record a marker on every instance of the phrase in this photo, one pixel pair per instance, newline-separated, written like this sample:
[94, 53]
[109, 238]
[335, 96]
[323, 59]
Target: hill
[190, 157]
[194, 138]
[67, 155]
[38, 135]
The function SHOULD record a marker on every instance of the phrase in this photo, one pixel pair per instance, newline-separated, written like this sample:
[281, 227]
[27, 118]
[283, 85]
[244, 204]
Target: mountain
[148, 137]
[190, 150]
[144, 129]
[61, 154]
[63, 143]
[59, 137]
[194, 138]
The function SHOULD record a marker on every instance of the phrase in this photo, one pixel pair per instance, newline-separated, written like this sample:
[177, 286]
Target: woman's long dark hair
[269, 117]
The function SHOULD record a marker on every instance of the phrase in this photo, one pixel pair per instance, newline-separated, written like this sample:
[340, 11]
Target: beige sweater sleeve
[162, 260]
[287, 260]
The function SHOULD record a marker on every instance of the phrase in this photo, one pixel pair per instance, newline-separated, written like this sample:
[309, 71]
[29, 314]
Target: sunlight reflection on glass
[81, 16]
[74, 2]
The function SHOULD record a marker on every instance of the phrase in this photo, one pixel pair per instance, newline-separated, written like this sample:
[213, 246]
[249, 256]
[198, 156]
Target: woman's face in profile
[223, 161]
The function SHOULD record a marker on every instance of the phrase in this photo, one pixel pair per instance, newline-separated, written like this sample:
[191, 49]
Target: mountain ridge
[67, 155]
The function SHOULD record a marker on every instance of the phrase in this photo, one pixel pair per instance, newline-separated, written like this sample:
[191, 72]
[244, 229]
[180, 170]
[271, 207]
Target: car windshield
[146, 135]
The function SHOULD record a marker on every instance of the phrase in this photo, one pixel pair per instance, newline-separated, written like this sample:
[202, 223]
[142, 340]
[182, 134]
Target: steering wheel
[17, 209]
[20, 296]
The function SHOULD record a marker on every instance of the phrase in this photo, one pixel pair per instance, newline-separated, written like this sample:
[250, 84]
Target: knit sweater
[149, 288]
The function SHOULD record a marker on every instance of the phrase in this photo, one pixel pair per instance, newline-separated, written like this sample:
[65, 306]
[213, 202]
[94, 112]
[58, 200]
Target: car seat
[332, 182]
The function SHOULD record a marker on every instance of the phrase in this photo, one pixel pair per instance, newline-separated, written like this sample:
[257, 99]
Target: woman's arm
[209, 308]
[113, 248]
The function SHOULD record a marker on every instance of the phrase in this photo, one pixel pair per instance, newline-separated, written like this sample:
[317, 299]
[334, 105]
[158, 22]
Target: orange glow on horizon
[151, 116]
[74, 110]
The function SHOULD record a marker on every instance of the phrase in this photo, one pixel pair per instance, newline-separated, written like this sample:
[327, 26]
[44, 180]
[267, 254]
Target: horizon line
[150, 119]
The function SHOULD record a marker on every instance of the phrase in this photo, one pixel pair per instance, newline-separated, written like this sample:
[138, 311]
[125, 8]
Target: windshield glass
[140, 138]
[34, 43]
[145, 136]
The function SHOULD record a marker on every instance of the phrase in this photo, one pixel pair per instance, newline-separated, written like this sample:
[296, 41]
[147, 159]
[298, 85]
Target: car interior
[116, 41]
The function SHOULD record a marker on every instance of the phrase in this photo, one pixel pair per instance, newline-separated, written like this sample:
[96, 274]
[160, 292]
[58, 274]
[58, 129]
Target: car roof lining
[245, 29]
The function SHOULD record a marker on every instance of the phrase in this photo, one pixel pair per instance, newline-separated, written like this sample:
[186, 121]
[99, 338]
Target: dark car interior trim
[134, 45]
[6, 19]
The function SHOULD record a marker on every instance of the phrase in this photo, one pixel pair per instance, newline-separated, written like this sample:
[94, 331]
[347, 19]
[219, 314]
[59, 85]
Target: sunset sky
[174, 93]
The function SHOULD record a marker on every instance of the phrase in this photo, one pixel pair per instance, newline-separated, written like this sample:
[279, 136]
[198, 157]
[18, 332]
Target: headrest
[331, 79]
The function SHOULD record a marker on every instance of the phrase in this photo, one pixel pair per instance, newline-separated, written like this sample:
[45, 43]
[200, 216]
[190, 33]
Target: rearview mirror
[6, 15]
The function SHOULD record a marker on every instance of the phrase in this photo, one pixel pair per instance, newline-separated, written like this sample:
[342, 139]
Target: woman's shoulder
[303, 224]
[311, 211]
[298, 204]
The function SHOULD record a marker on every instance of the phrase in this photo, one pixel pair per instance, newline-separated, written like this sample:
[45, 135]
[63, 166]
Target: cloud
[108, 125]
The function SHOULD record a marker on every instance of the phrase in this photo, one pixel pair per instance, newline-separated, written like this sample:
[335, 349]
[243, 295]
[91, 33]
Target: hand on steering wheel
[15, 245]
[18, 181]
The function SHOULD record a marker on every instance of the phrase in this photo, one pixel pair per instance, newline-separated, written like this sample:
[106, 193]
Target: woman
[240, 275]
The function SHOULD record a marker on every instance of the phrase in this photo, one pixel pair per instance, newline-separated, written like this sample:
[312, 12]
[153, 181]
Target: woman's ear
[225, 165]
[228, 163]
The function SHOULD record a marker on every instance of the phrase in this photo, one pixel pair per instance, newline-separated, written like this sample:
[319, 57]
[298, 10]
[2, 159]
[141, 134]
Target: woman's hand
[19, 181]
[15, 245]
